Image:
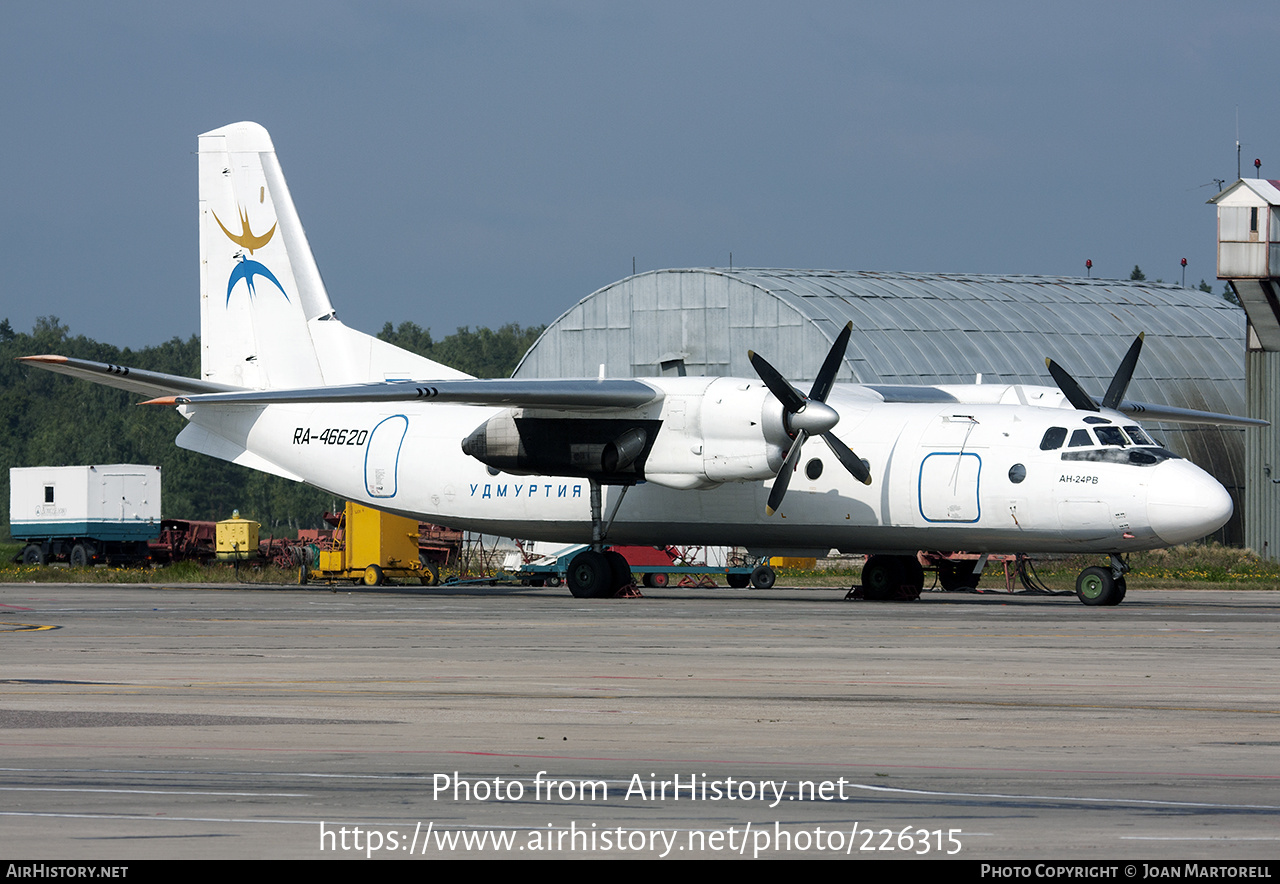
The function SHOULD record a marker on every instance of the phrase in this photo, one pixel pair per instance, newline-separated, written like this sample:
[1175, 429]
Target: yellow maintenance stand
[370, 547]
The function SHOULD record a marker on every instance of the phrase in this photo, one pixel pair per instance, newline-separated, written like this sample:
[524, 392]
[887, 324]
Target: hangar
[921, 328]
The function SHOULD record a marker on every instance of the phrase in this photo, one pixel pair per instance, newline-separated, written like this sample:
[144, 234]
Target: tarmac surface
[233, 722]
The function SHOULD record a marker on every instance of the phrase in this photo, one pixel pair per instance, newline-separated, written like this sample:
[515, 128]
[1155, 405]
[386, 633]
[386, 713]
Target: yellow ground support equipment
[237, 539]
[370, 547]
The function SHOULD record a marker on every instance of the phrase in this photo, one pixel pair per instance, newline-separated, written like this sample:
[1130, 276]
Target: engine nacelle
[703, 432]
[728, 430]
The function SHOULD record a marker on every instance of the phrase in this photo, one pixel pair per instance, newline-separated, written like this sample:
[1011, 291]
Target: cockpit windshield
[1100, 442]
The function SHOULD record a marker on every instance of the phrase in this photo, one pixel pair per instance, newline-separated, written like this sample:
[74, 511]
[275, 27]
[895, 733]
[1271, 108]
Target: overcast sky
[473, 163]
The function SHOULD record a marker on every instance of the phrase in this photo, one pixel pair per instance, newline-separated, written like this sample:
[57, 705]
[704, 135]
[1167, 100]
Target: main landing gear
[599, 573]
[1102, 586]
[891, 577]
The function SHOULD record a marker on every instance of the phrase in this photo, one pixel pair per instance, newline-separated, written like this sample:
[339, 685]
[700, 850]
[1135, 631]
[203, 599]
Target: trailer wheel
[33, 555]
[656, 579]
[763, 577]
[80, 556]
[553, 580]
[373, 576]
[738, 581]
[430, 574]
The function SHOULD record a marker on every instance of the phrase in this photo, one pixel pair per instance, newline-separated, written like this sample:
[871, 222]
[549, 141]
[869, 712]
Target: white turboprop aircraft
[288, 389]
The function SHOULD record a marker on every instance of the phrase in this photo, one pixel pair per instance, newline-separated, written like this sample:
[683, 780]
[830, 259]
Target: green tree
[408, 336]
[1205, 287]
[1136, 273]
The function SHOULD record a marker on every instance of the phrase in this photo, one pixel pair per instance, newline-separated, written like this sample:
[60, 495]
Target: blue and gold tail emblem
[246, 269]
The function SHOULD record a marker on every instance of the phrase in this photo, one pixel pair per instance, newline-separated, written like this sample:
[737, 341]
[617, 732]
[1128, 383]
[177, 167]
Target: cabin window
[1080, 438]
[813, 469]
[1053, 438]
[1017, 473]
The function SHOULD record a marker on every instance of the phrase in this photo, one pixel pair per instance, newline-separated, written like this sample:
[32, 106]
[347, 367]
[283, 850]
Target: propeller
[810, 415]
[1115, 392]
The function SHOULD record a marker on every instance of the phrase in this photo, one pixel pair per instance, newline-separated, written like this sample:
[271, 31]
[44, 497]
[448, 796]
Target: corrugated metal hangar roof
[920, 328]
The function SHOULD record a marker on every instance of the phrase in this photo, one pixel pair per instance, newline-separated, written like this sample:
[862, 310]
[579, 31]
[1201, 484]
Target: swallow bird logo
[247, 270]
[246, 239]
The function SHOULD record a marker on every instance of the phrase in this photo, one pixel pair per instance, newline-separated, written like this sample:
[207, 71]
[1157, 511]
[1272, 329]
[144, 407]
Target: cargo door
[950, 470]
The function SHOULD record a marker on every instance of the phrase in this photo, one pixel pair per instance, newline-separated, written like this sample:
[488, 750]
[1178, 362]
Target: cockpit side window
[1138, 437]
[1110, 436]
[1053, 438]
[1080, 438]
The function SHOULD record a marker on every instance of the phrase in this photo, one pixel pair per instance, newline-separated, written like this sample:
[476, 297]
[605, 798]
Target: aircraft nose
[1185, 503]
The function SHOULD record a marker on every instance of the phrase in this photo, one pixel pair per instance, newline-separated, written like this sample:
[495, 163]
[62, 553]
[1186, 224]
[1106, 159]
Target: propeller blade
[1067, 384]
[835, 356]
[780, 484]
[851, 461]
[790, 398]
[1124, 374]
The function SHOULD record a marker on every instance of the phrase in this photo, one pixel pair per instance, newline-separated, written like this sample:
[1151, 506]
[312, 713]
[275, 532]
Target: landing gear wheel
[1096, 587]
[892, 577]
[80, 556]
[763, 577]
[619, 570]
[430, 575]
[658, 580]
[738, 581]
[373, 576]
[1118, 596]
[33, 555]
[881, 577]
[912, 577]
[957, 576]
[589, 575]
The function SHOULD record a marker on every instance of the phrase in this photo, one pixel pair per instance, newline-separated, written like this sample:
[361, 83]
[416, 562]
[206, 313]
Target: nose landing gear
[1099, 587]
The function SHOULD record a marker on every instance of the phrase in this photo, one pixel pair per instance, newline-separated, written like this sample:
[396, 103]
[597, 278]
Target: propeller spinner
[1115, 391]
[810, 415]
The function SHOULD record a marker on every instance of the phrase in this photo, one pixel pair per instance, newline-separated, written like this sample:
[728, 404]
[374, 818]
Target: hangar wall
[921, 328]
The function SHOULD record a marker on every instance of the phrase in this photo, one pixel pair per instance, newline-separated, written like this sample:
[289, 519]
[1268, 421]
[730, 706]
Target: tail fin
[265, 317]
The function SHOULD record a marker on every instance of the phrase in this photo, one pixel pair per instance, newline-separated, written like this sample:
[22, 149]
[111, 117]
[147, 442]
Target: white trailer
[84, 514]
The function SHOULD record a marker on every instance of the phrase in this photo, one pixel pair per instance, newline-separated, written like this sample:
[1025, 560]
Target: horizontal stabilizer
[554, 394]
[196, 438]
[135, 380]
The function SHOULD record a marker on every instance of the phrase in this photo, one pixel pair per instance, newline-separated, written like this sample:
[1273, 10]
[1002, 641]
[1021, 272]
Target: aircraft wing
[1173, 415]
[553, 394]
[135, 380]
